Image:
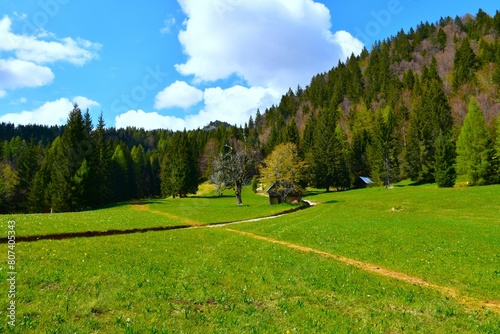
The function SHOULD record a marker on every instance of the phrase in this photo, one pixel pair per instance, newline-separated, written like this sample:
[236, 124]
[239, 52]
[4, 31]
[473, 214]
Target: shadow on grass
[332, 201]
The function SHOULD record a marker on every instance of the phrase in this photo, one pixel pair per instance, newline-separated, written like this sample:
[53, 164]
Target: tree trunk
[237, 192]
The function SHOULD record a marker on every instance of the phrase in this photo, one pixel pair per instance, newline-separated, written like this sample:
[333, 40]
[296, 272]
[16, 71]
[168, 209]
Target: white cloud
[179, 94]
[16, 73]
[148, 121]
[2, 94]
[269, 43]
[167, 25]
[31, 48]
[50, 113]
[85, 103]
[234, 105]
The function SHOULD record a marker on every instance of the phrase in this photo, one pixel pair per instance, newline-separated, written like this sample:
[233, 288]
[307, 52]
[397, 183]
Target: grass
[446, 236]
[215, 281]
[206, 208]
[212, 280]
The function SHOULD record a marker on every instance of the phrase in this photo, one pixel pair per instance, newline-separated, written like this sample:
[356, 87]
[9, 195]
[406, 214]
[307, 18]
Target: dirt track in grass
[469, 302]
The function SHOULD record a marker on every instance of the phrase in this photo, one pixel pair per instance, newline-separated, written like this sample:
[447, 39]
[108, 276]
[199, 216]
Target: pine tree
[384, 153]
[180, 170]
[140, 171]
[445, 173]
[464, 64]
[120, 181]
[59, 188]
[323, 153]
[291, 133]
[431, 115]
[441, 39]
[342, 170]
[102, 158]
[474, 147]
[28, 164]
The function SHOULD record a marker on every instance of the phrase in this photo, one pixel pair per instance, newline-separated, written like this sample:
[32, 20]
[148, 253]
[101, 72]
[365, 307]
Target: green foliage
[383, 151]
[361, 128]
[445, 173]
[179, 171]
[496, 74]
[464, 65]
[430, 115]
[329, 154]
[291, 133]
[121, 174]
[254, 184]
[441, 39]
[474, 147]
[284, 169]
[9, 180]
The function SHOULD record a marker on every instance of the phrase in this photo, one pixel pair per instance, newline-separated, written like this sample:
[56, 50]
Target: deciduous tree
[284, 168]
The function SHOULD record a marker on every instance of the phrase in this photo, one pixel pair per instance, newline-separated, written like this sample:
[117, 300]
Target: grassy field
[202, 209]
[208, 280]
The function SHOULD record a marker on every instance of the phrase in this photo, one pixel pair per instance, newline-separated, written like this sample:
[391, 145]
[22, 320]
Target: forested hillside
[423, 104]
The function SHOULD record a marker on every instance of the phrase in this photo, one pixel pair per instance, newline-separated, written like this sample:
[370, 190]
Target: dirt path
[469, 302]
[166, 214]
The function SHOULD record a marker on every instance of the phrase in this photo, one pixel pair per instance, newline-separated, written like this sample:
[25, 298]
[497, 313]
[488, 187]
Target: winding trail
[469, 302]
[189, 224]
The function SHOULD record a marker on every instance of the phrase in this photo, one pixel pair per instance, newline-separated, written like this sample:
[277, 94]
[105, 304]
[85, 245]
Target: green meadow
[216, 280]
[202, 209]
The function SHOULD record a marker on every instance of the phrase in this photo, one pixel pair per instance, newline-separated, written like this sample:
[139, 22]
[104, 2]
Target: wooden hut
[276, 198]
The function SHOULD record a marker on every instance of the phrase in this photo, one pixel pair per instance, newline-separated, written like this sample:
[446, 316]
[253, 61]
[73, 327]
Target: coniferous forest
[422, 105]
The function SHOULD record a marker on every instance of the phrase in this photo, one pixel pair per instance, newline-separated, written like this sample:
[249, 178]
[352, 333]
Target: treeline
[422, 105]
[87, 166]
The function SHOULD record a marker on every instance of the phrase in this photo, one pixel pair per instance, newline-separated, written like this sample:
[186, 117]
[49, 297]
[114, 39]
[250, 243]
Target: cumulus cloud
[33, 49]
[50, 113]
[15, 73]
[269, 43]
[234, 105]
[85, 103]
[148, 121]
[179, 94]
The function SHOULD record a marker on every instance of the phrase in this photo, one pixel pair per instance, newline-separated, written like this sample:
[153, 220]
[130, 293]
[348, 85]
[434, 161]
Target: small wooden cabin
[275, 196]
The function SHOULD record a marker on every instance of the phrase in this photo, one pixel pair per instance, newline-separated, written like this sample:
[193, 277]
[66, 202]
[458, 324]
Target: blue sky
[180, 64]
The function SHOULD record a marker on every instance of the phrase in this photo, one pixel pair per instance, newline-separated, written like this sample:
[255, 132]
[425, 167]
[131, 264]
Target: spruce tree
[464, 64]
[383, 151]
[431, 114]
[324, 154]
[180, 170]
[474, 148]
[445, 173]
[120, 180]
[291, 133]
[341, 166]
[441, 39]
[102, 157]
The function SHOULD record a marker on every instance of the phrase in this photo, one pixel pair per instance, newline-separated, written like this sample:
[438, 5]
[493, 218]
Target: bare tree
[234, 168]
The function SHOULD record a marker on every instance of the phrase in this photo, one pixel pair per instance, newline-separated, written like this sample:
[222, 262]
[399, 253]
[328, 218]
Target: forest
[422, 105]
